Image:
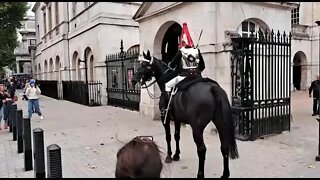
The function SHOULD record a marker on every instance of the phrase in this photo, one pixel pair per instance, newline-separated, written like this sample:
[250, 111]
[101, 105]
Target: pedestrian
[3, 96]
[139, 158]
[33, 93]
[315, 88]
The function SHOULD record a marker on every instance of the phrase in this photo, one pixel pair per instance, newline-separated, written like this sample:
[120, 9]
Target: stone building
[72, 34]
[160, 25]
[28, 35]
[305, 45]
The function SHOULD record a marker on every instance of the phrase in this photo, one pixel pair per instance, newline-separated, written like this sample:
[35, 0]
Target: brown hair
[139, 159]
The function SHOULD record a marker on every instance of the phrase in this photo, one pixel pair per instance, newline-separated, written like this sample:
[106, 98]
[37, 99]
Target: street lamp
[318, 157]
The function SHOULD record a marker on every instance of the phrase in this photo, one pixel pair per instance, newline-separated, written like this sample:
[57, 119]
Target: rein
[152, 96]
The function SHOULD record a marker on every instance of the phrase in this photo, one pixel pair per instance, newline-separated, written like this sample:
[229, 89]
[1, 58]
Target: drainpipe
[68, 43]
[318, 22]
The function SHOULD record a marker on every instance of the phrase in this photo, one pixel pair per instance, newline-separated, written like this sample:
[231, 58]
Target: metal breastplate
[190, 58]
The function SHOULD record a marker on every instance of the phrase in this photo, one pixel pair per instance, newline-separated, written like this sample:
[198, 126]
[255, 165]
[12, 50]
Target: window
[32, 42]
[50, 18]
[247, 26]
[295, 16]
[114, 78]
[45, 22]
[74, 8]
[57, 13]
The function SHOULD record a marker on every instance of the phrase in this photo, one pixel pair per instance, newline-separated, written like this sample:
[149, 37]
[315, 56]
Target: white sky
[30, 13]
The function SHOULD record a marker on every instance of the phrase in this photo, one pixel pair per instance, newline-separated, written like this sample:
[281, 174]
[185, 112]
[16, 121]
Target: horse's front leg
[168, 139]
[176, 156]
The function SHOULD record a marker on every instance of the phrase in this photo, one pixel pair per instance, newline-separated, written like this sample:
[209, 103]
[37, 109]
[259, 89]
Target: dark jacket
[177, 62]
[315, 87]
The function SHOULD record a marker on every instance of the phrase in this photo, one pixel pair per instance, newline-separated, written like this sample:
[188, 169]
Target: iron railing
[261, 76]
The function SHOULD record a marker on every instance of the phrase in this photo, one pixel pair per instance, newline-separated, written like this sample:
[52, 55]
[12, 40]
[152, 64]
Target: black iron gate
[261, 73]
[82, 93]
[120, 70]
[49, 88]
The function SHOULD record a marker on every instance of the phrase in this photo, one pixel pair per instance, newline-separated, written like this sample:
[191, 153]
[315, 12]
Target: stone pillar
[18, 66]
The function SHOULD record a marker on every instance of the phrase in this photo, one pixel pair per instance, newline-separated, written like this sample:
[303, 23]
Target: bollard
[12, 119]
[27, 144]
[38, 148]
[19, 130]
[318, 157]
[8, 114]
[54, 166]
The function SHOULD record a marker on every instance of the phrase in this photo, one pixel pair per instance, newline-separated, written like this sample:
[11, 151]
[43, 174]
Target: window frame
[295, 16]
[257, 28]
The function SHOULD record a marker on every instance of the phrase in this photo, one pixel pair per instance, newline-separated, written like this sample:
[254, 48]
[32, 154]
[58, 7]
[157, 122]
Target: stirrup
[174, 91]
[163, 111]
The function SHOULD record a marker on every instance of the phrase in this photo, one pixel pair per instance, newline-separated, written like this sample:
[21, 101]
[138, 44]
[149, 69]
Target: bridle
[152, 96]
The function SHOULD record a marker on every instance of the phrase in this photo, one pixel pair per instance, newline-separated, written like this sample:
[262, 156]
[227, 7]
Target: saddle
[190, 80]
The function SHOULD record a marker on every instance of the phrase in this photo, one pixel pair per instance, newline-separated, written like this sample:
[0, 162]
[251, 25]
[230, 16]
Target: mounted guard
[188, 62]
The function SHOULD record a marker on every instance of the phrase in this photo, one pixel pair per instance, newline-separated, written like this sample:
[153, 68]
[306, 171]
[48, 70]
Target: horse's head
[145, 72]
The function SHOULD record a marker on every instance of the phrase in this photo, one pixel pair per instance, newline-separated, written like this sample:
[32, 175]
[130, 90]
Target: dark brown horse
[198, 105]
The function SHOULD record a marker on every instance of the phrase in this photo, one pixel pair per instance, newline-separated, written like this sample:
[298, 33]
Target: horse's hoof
[176, 157]
[168, 159]
[200, 176]
[224, 177]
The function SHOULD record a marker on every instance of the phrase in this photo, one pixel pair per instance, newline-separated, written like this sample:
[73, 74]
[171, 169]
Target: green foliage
[11, 17]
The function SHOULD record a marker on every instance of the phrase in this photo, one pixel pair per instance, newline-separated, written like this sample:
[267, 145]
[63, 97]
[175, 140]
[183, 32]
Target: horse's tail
[223, 111]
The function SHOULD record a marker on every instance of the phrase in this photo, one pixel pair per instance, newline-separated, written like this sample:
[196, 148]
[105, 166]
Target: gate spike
[278, 35]
[261, 35]
[272, 36]
[284, 37]
[290, 35]
[267, 34]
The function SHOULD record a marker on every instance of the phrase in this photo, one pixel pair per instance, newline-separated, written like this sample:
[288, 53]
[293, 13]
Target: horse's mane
[168, 73]
[165, 65]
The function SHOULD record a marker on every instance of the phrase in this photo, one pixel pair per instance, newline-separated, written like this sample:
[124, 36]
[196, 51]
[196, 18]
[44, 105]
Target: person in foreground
[139, 158]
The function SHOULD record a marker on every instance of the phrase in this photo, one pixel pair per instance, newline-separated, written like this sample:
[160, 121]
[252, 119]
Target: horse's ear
[144, 55]
[148, 53]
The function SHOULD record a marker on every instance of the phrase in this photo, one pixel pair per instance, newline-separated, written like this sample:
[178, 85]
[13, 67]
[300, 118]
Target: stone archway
[299, 71]
[45, 70]
[75, 67]
[167, 41]
[57, 68]
[50, 70]
[39, 72]
[90, 64]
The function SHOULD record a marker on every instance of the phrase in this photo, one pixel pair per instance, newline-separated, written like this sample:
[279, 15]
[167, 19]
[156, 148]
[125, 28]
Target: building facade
[28, 38]
[74, 35]
[160, 25]
[305, 44]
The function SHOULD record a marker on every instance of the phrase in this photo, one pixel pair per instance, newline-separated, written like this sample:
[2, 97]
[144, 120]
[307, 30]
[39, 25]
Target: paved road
[80, 130]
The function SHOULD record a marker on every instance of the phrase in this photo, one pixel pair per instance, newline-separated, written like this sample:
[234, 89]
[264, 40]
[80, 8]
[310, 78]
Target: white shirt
[33, 92]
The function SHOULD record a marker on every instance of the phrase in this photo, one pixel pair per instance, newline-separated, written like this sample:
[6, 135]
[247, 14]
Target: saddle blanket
[190, 80]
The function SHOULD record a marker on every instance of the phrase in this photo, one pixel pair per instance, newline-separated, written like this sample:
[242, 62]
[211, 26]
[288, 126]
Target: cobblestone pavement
[90, 137]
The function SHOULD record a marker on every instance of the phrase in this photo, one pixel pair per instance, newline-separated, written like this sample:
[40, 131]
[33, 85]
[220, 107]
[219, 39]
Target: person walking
[315, 88]
[33, 93]
[3, 96]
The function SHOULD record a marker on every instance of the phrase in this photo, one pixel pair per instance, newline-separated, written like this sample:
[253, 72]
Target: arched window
[247, 26]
